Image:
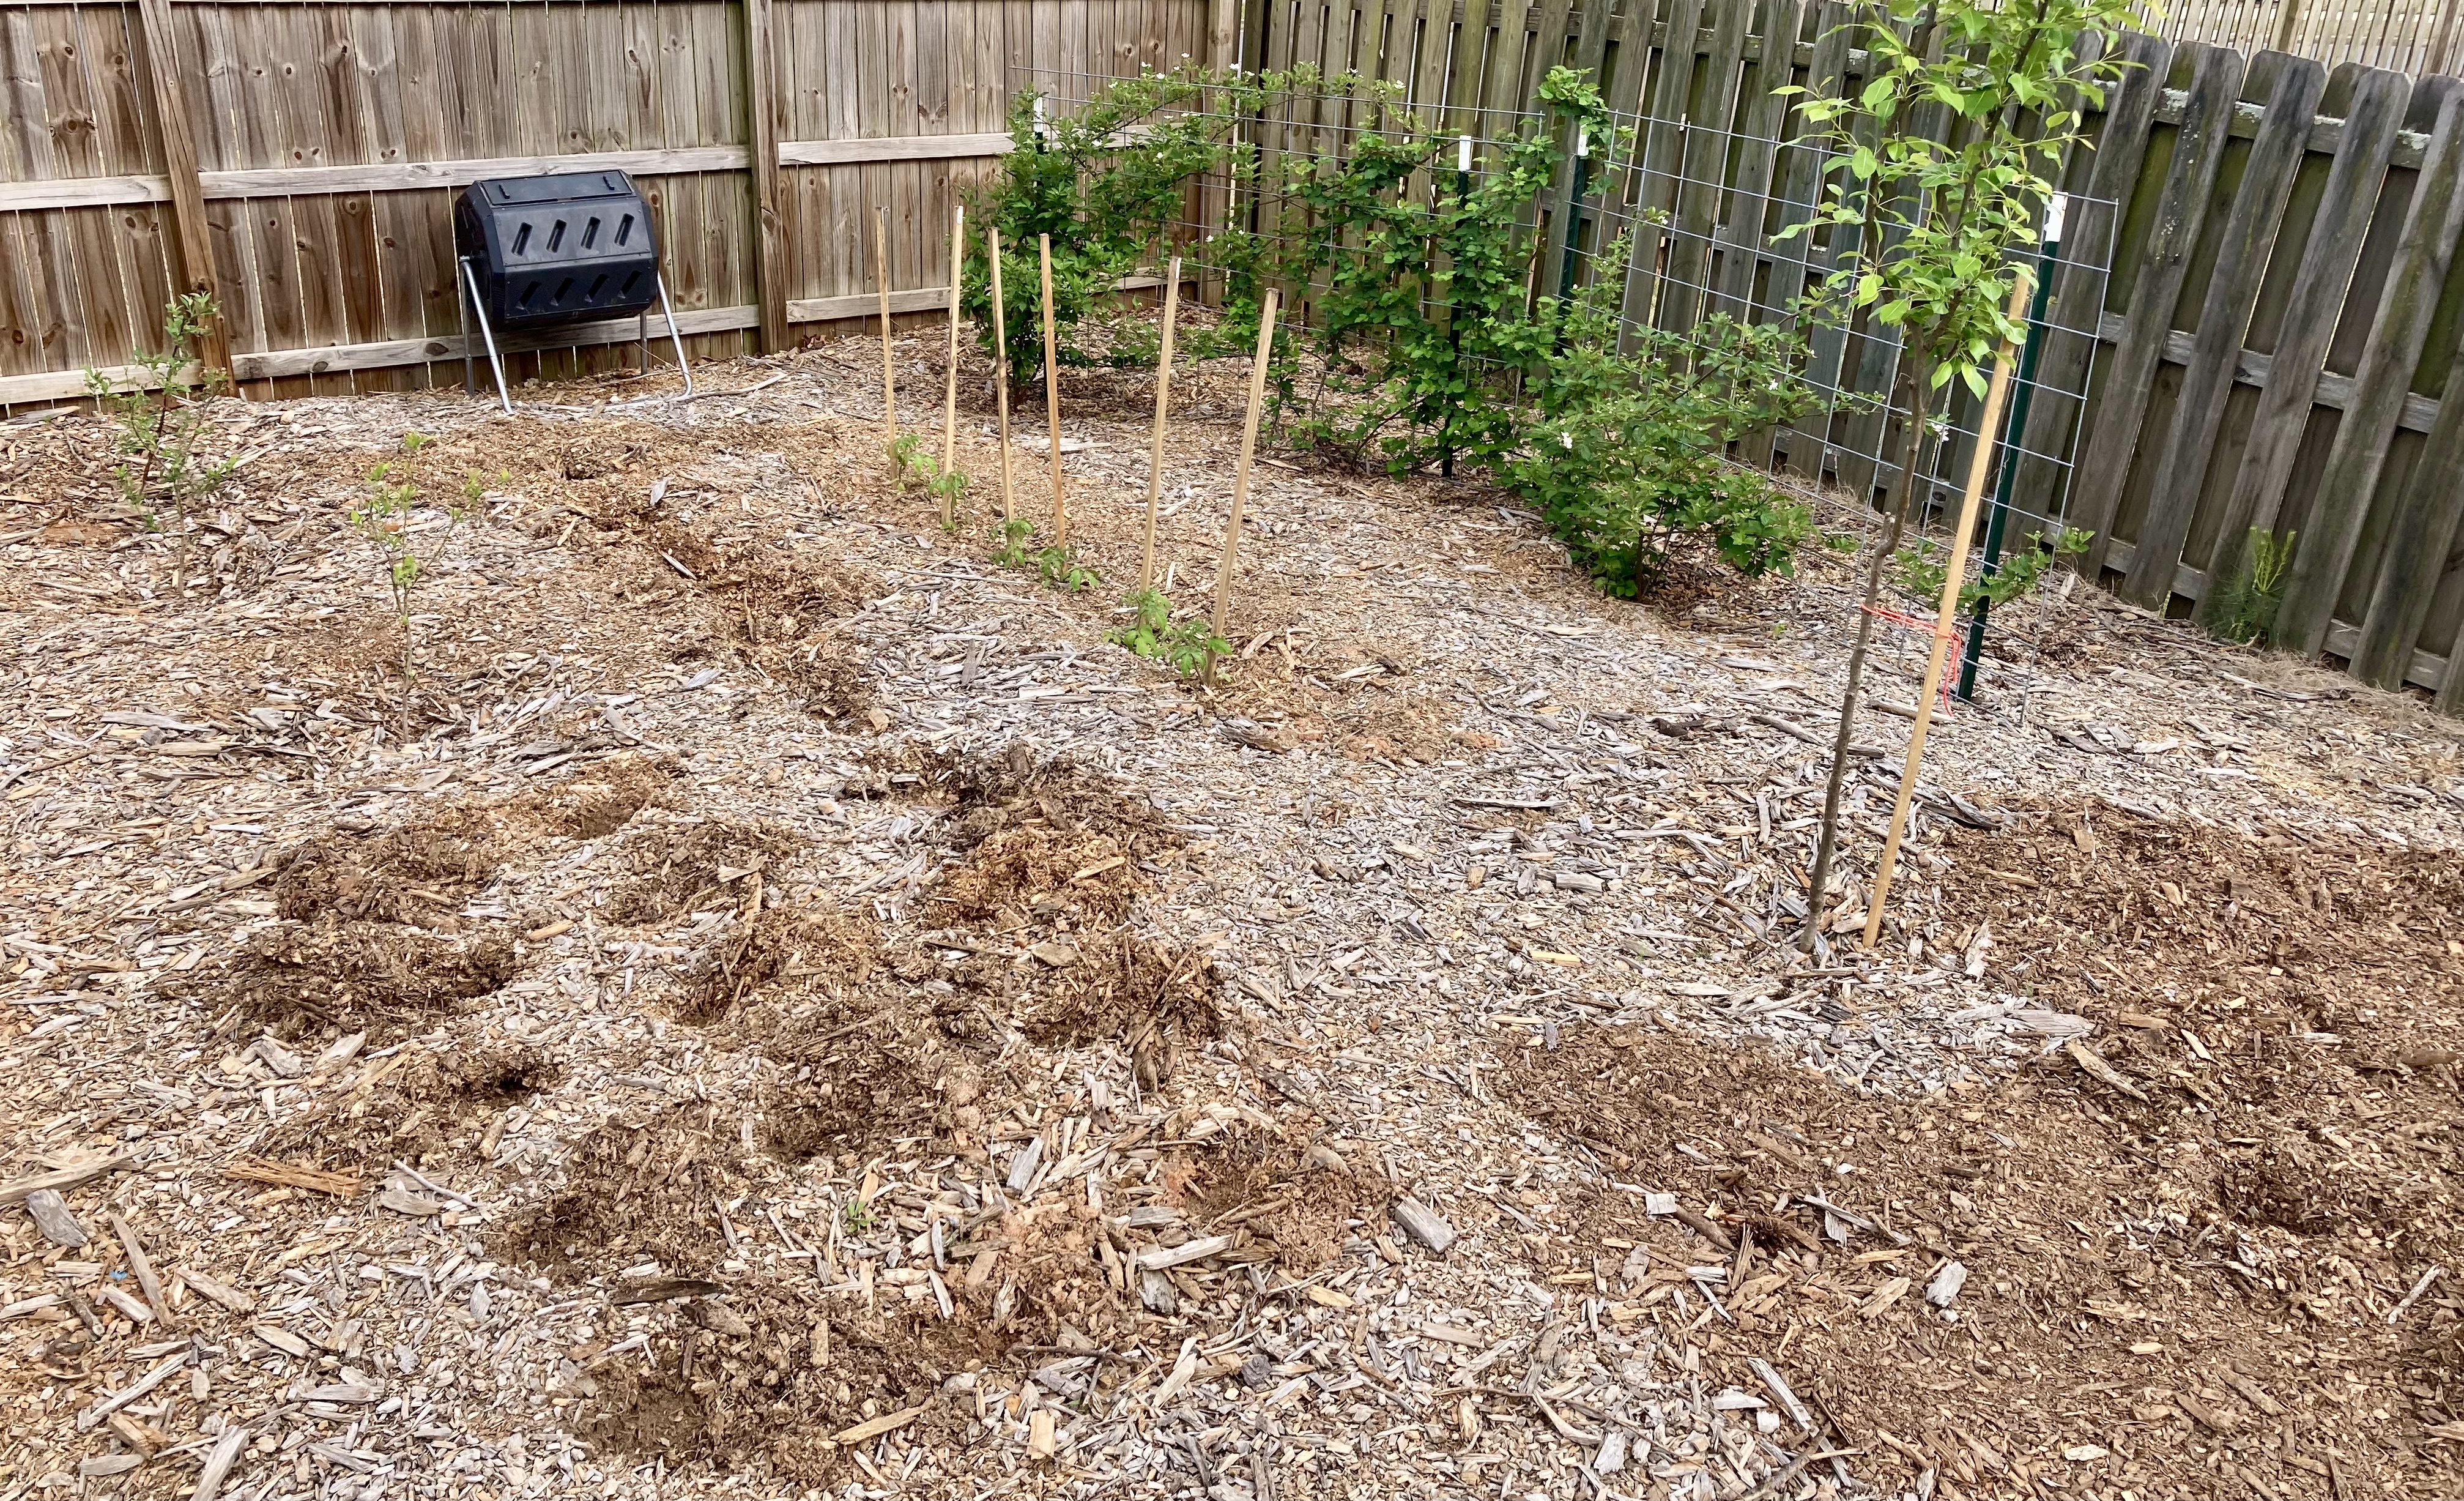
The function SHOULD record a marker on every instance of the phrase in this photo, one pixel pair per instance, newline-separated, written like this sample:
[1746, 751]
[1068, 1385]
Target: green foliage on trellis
[1423, 342]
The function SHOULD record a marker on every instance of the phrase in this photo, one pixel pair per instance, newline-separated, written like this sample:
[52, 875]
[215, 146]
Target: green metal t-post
[1574, 210]
[1454, 325]
[2014, 434]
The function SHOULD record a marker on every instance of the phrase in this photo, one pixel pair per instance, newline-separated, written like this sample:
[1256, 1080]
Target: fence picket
[2333, 248]
[2181, 211]
[2323, 555]
[1741, 234]
[2292, 86]
[2080, 291]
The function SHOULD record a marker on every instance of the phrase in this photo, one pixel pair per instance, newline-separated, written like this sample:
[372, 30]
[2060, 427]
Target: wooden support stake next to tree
[1052, 397]
[1980, 467]
[1000, 362]
[1163, 403]
[950, 392]
[889, 378]
[1241, 475]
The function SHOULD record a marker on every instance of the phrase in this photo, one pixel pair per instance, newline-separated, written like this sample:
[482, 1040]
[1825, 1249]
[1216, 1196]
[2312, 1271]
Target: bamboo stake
[889, 382]
[1052, 398]
[1241, 475]
[1980, 467]
[1000, 378]
[950, 395]
[1163, 402]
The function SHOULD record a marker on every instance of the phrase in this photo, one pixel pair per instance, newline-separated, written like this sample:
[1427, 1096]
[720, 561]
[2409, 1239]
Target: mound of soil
[830, 949]
[2110, 912]
[425, 1104]
[630, 1192]
[757, 1384]
[680, 867]
[858, 1079]
[2135, 1313]
[330, 978]
[416, 874]
[1014, 789]
[1150, 996]
[602, 799]
[1306, 1208]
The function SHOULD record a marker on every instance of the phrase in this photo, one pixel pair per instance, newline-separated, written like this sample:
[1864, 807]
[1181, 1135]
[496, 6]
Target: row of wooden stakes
[1053, 400]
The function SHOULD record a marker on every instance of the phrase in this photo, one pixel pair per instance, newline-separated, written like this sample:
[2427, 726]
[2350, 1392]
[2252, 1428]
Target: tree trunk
[1914, 398]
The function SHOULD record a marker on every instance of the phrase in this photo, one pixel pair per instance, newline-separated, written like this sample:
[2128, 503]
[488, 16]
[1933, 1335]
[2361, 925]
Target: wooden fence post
[195, 271]
[761, 114]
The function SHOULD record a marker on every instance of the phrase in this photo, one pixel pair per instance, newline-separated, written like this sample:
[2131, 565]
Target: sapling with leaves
[159, 419]
[384, 515]
[1920, 572]
[1941, 169]
[1153, 632]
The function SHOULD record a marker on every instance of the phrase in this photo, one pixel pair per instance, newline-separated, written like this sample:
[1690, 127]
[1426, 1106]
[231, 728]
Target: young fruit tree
[1940, 170]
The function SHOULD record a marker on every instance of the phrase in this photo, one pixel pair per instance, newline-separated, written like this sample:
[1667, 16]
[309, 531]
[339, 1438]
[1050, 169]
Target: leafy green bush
[1422, 331]
[1153, 632]
[1920, 572]
[1422, 342]
[1626, 454]
[159, 420]
[1107, 184]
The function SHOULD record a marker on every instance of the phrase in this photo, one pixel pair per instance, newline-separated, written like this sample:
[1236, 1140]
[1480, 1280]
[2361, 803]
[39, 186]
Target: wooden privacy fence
[300, 160]
[2271, 349]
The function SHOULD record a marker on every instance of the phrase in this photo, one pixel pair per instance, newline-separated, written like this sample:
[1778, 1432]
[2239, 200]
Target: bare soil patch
[433, 1105]
[2129, 1300]
[755, 1384]
[631, 1191]
[601, 799]
[418, 874]
[1303, 1206]
[679, 867]
[325, 979]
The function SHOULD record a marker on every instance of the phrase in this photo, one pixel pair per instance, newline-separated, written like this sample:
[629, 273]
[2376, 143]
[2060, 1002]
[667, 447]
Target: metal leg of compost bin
[496, 363]
[670, 313]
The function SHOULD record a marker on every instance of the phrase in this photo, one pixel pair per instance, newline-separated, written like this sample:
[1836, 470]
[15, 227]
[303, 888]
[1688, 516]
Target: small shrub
[2242, 607]
[159, 421]
[1009, 544]
[1107, 183]
[1057, 568]
[1920, 572]
[1627, 456]
[1153, 632]
[910, 464]
[383, 517]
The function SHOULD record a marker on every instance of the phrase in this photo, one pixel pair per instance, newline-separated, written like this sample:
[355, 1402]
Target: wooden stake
[1980, 467]
[1241, 475]
[1052, 398]
[889, 381]
[950, 395]
[1000, 360]
[1163, 403]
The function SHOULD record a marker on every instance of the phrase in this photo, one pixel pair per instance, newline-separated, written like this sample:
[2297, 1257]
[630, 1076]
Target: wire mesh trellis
[1705, 231]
